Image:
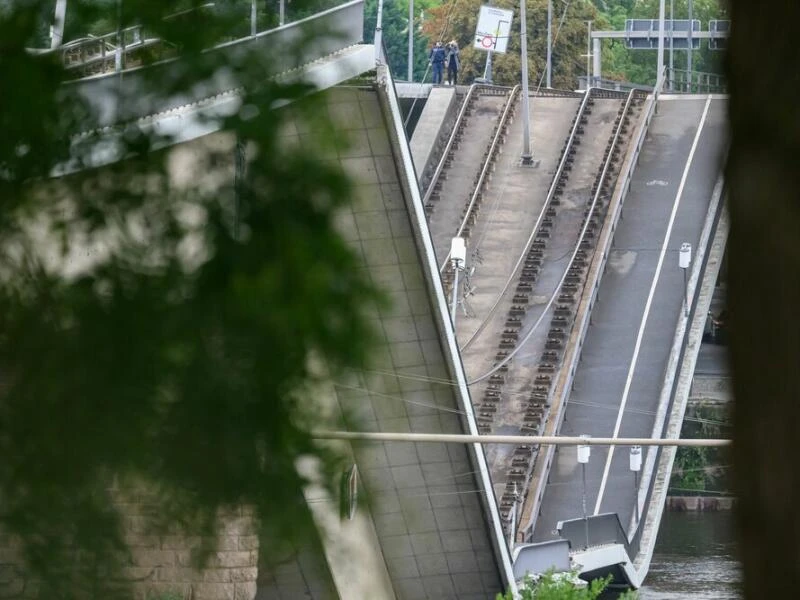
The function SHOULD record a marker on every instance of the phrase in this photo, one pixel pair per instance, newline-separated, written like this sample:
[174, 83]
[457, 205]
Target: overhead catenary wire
[400, 399]
[518, 395]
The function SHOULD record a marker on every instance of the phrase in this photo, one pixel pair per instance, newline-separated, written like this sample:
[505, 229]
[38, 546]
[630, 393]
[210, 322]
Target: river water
[694, 558]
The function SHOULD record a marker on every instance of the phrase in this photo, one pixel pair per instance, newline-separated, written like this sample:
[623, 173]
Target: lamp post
[636, 466]
[527, 157]
[410, 41]
[458, 259]
[549, 42]
[584, 452]
[684, 260]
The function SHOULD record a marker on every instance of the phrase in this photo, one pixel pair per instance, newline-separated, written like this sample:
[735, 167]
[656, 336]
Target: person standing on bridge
[453, 62]
[437, 57]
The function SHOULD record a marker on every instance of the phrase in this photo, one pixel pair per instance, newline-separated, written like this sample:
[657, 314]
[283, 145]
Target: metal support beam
[549, 43]
[527, 157]
[671, 76]
[689, 50]
[660, 63]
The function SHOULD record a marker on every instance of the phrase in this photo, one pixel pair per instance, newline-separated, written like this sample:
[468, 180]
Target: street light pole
[253, 18]
[281, 12]
[410, 41]
[549, 42]
[584, 452]
[588, 55]
[689, 51]
[527, 157]
[671, 46]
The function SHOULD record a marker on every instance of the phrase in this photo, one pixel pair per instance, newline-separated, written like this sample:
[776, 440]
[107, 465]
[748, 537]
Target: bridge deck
[620, 379]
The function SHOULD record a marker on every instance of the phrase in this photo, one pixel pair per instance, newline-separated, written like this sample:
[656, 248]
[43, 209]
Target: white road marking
[646, 314]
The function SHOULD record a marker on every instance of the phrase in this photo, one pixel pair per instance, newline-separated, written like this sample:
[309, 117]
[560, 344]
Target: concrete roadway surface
[619, 380]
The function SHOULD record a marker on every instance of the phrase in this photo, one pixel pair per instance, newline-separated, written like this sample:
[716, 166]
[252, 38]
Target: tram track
[466, 166]
[514, 396]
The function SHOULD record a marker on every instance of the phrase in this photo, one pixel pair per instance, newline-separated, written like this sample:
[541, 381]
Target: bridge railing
[657, 454]
[251, 59]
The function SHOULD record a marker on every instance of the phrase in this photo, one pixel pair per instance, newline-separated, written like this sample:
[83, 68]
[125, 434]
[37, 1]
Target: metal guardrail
[594, 530]
[114, 99]
[663, 431]
[489, 156]
[91, 50]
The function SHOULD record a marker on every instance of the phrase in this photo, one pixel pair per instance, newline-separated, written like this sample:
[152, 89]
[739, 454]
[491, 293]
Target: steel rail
[550, 193]
[440, 166]
[504, 117]
[585, 227]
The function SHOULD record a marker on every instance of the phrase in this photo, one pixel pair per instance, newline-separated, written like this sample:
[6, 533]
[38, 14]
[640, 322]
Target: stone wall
[161, 566]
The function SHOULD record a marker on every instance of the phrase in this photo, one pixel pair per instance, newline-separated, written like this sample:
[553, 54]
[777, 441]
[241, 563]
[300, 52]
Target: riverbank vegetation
[697, 470]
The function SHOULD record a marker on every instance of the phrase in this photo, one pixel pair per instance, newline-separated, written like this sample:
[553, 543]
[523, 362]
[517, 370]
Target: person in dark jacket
[437, 58]
[453, 62]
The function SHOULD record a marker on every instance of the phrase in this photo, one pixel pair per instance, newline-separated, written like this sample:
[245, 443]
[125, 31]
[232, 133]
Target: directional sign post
[642, 34]
[719, 32]
[493, 30]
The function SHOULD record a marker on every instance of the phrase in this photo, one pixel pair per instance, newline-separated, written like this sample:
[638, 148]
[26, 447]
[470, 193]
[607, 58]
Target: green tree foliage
[701, 469]
[560, 586]
[395, 36]
[161, 333]
[639, 66]
[457, 20]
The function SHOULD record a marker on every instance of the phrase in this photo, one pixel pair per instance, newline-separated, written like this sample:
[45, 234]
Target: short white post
[584, 452]
[636, 466]
[684, 260]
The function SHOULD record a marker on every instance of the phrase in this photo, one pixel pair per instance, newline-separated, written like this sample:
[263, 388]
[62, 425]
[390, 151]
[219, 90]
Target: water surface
[694, 558]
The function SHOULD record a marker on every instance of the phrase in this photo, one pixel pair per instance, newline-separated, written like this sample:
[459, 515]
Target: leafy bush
[561, 586]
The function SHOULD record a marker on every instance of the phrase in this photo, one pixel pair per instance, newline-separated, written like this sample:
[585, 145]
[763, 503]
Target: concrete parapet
[429, 126]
